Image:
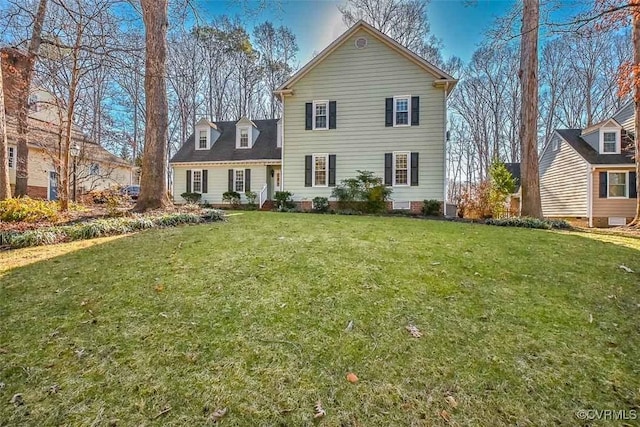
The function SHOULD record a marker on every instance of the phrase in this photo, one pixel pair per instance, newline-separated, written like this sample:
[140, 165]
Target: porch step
[268, 205]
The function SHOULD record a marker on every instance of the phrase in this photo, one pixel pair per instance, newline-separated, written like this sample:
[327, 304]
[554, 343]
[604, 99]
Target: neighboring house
[590, 173]
[364, 103]
[515, 199]
[237, 156]
[96, 168]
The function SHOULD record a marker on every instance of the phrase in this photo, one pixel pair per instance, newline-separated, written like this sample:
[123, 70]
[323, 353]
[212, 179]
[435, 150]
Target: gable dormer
[604, 137]
[246, 133]
[206, 134]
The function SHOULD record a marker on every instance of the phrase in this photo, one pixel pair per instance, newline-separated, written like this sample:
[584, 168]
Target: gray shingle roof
[514, 169]
[572, 136]
[224, 148]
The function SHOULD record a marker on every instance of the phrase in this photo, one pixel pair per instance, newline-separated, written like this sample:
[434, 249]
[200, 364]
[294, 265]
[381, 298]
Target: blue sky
[316, 23]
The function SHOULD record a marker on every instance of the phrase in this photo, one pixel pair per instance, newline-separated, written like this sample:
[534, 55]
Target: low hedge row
[102, 228]
[526, 222]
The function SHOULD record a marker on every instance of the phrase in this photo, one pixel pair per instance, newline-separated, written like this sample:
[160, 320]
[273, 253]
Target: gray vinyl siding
[625, 117]
[563, 182]
[360, 80]
[217, 181]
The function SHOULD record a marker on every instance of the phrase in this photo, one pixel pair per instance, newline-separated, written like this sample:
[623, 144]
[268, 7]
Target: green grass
[251, 315]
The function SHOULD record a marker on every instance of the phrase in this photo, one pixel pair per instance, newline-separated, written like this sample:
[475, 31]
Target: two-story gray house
[364, 103]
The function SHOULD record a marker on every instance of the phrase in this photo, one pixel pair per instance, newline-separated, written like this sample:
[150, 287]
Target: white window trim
[408, 98]
[626, 185]
[313, 169]
[618, 138]
[193, 180]
[244, 181]
[208, 133]
[11, 157]
[408, 153]
[313, 115]
[249, 137]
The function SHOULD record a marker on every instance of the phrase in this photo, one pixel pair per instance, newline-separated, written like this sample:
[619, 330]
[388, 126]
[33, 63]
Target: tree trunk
[531, 205]
[636, 97]
[22, 149]
[153, 183]
[5, 188]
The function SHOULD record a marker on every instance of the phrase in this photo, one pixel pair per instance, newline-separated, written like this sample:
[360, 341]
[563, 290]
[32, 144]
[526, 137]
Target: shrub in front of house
[431, 207]
[191, 197]
[320, 204]
[102, 228]
[284, 201]
[231, 197]
[527, 222]
[365, 193]
[28, 210]
[251, 199]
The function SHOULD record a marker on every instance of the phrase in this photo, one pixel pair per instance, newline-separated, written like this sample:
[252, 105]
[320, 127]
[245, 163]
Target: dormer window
[609, 140]
[244, 138]
[203, 142]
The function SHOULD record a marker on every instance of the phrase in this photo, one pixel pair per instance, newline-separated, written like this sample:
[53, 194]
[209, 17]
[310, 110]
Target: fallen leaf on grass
[349, 326]
[413, 330]
[158, 288]
[445, 416]
[451, 401]
[625, 268]
[319, 411]
[352, 378]
[17, 399]
[54, 389]
[590, 318]
[217, 415]
[3, 351]
[164, 411]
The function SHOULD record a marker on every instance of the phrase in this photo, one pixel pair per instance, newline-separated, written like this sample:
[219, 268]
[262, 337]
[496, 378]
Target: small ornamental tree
[502, 185]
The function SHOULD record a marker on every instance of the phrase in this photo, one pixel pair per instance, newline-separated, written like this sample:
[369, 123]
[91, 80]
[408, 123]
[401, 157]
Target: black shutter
[332, 170]
[247, 180]
[603, 185]
[332, 114]
[308, 116]
[388, 112]
[388, 169]
[307, 171]
[188, 181]
[414, 169]
[633, 191]
[230, 179]
[205, 174]
[415, 110]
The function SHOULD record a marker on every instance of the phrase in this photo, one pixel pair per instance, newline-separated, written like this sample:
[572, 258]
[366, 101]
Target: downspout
[590, 171]
[444, 136]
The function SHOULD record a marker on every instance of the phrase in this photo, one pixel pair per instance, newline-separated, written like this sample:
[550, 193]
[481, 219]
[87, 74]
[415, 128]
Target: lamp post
[74, 150]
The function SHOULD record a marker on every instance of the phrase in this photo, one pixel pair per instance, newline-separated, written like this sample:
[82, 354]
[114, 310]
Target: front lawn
[519, 327]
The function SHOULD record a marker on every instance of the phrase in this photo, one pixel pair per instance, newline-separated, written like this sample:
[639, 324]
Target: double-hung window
[320, 170]
[202, 140]
[320, 115]
[401, 110]
[244, 138]
[609, 142]
[196, 181]
[617, 183]
[12, 157]
[238, 180]
[401, 168]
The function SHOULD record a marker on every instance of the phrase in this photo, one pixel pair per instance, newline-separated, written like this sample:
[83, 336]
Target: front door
[53, 185]
[275, 181]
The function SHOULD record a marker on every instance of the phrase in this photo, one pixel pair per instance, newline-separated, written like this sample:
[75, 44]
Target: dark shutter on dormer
[247, 180]
[308, 116]
[188, 181]
[414, 169]
[230, 179]
[205, 174]
[388, 169]
[603, 185]
[332, 114]
[388, 112]
[308, 161]
[633, 191]
[332, 170]
[415, 110]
